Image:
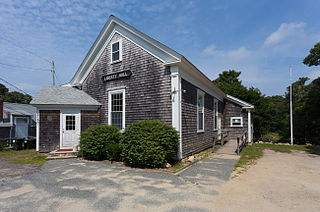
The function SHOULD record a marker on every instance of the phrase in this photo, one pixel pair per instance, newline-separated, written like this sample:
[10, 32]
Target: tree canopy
[14, 96]
[313, 59]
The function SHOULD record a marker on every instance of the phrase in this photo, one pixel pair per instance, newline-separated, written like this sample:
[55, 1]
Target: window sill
[115, 62]
[236, 126]
[200, 131]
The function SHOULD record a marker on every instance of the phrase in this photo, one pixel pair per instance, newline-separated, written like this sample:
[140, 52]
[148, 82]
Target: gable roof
[240, 102]
[19, 109]
[154, 47]
[63, 96]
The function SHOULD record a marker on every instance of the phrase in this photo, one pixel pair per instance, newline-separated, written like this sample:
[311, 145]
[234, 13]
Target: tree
[312, 111]
[229, 82]
[313, 59]
[3, 90]
[14, 96]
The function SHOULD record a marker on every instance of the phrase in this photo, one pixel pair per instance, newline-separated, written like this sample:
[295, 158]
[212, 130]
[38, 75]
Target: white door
[70, 130]
[22, 126]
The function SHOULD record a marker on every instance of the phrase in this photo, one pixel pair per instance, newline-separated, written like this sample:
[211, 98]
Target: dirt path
[278, 182]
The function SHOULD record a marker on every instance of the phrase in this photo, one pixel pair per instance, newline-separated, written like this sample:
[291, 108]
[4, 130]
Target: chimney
[1, 110]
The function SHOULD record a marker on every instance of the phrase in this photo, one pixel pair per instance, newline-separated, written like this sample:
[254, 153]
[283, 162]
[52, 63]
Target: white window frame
[120, 51]
[215, 114]
[117, 91]
[200, 93]
[241, 121]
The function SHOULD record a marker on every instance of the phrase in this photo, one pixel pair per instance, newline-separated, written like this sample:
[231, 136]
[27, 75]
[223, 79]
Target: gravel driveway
[278, 182]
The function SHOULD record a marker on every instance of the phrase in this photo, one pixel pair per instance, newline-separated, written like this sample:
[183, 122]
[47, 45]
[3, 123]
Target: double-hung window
[215, 115]
[200, 110]
[116, 51]
[116, 103]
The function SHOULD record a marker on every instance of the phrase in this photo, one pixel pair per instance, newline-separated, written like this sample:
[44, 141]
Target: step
[58, 154]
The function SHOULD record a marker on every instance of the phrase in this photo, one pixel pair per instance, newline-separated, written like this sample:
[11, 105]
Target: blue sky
[259, 38]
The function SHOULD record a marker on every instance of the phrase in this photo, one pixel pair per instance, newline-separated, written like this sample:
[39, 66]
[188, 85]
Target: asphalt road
[75, 185]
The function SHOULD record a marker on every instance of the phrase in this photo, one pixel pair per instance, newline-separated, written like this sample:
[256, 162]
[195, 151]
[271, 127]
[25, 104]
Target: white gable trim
[113, 26]
[240, 102]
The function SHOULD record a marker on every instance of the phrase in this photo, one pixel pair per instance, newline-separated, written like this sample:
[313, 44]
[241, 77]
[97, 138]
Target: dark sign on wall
[115, 76]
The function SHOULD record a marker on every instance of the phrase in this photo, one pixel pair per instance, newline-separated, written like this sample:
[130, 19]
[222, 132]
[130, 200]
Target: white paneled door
[70, 129]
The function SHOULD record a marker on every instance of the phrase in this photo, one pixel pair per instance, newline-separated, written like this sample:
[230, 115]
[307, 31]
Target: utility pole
[291, 115]
[52, 72]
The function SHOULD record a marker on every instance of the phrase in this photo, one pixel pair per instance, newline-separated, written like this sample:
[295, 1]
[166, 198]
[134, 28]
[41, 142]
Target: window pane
[70, 122]
[115, 56]
[116, 119]
[115, 47]
[200, 121]
[116, 109]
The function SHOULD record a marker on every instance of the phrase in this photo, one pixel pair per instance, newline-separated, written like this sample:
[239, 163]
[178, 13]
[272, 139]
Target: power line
[14, 86]
[24, 67]
[30, 52]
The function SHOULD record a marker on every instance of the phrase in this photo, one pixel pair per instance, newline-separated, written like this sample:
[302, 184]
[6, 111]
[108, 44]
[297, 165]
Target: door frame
[68, 112]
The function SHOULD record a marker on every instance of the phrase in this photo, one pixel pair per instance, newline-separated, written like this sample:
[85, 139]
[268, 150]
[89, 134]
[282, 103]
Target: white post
[291, 115]
[37, 129]
[249, 126]
[176, 104]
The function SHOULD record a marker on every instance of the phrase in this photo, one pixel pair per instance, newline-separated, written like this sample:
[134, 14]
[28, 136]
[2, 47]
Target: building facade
[128, 76]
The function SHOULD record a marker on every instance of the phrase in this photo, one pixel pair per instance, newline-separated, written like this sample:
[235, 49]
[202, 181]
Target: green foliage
[3, 90]
[96, 142]
[149, 143]
[114, 152]
[14, 96]
[229, 83]
[1, 147]
[271, 135]
[313, 59]
[312, 112]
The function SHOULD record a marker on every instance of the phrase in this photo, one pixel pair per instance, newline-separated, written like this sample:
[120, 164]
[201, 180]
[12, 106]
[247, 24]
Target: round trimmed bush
[97, 142]
[149, 143]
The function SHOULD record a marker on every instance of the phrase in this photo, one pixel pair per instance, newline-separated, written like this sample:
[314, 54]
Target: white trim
[249, 126]
[115, 91]
[37, 130]
[65, 107]
[78, 127]
[120, 51]
[239, 101]
[241, 121]
[176, 105]
[200, 93]
[196, 82]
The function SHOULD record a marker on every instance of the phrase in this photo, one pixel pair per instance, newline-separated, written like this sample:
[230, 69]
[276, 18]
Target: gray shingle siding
[234, 110]
[49, 130]
[192, 141]
[147, 91]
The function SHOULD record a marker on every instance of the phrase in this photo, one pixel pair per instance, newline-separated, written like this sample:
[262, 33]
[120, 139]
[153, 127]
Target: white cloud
[284, 31]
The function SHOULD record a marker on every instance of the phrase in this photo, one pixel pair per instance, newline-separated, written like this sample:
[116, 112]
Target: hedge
[149, 143]
[100, 142]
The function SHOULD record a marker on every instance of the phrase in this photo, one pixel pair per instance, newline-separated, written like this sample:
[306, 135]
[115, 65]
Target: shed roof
[63, 95]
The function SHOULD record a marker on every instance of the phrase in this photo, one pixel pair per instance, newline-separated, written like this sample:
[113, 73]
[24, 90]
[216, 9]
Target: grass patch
[28, 156]
[199, 156]
[250, 154]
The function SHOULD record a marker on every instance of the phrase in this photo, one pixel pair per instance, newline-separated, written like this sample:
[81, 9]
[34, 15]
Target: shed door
[70, 130]
[21, 127]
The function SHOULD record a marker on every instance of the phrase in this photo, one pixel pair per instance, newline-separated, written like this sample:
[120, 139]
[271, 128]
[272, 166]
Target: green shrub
[114, 152]
[1, 147]
[96, 140]
[149, 143]
[271, 135]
